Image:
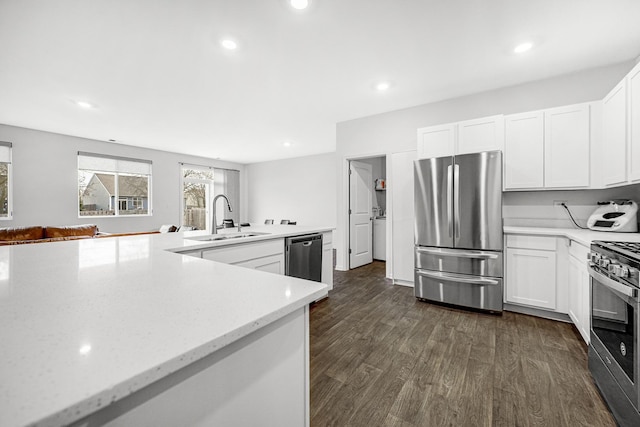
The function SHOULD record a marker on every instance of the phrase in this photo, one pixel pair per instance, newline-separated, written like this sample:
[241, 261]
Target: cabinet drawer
[580, 252]
[244, 252]
[524, 241]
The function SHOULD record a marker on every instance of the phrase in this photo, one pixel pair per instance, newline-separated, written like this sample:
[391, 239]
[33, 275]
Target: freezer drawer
[461, 261]
[484, 293]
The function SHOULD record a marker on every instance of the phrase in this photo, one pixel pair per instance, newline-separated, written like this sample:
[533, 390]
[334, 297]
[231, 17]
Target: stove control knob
[613, 265]
[595, 257]
[604, 262]
[634, 273]
[621, 270]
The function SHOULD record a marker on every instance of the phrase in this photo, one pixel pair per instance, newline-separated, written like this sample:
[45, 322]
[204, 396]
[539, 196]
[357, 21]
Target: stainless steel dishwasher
[303, 257]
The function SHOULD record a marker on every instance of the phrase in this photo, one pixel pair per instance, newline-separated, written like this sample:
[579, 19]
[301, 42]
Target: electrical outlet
[559, 203]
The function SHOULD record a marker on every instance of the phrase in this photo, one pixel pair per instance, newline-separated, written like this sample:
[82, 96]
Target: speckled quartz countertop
[584, 237]
[84, 323]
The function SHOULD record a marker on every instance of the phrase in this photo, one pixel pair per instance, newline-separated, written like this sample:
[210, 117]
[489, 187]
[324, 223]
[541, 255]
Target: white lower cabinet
[579, 295]
[266, 255]
[534, 277]
[531, 277]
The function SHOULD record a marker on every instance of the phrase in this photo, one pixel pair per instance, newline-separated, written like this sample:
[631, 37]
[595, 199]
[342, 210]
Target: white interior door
[360, 214]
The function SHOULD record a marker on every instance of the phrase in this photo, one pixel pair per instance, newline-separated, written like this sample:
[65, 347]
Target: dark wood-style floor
[379, 357]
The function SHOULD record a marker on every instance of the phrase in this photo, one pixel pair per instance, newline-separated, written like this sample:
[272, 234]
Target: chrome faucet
[214, 223]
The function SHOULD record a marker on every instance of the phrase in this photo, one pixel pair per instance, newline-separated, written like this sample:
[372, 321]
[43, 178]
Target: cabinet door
[486, 134]
[436, 141]
[402, 216]
[531, 278]
[567, 146]
[577, 289]
[614, 139]
[270, 264]
[524, 150]
[633, 88]
[585, 303]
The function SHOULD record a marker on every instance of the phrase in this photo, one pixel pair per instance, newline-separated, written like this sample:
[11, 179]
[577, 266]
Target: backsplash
[536, 208]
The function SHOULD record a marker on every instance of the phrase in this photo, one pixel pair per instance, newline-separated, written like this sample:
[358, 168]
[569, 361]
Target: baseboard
[403, 283]
[561, 317]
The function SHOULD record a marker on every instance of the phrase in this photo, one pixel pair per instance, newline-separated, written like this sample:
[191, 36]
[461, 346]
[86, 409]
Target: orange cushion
[22, 233]
[89, 230]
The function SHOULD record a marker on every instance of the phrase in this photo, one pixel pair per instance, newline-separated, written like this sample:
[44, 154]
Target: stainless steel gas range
[615, 311]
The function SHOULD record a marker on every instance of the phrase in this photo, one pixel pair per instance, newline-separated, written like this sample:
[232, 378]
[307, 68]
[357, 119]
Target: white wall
[396, 131]
[45, 180]
[302, 189]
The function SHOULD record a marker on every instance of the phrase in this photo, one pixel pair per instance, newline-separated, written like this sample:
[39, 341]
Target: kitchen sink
[226, 236]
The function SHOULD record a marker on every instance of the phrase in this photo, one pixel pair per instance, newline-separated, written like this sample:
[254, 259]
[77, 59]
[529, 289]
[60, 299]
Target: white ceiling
[160, 79]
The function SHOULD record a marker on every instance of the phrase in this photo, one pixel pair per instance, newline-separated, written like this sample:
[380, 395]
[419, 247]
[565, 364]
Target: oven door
[614, 329]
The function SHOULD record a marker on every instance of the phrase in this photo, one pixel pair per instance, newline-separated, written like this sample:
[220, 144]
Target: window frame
[9, 163]
[116, 175]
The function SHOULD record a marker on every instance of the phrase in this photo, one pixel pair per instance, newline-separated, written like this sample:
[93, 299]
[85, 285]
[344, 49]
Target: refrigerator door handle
[447, 278]
[449, 201]
[456, 200]
[457, 254]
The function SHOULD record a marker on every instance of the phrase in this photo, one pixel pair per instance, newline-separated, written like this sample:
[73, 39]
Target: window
[113, 186]
[5, 181]
[197, 186]
[200, 184]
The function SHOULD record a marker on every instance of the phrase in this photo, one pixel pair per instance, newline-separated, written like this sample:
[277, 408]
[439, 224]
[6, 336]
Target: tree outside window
[197, 185]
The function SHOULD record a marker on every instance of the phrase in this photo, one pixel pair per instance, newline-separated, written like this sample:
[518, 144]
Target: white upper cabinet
[485, 134]
[567, 147]
[471, 136]
[633, 88]
[524, 150]
[614, 138]
[436, 141]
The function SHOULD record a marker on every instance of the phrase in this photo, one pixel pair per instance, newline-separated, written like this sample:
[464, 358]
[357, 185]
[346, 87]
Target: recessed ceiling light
[382, 86]
[229, 44]
[523, 47]
[84, 104]
[286, 144]
[299, 4]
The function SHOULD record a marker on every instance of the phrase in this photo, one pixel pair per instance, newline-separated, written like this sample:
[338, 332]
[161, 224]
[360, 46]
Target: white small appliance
[615, 215]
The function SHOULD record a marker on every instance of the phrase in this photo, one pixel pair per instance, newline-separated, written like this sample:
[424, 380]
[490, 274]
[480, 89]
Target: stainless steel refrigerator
[458, 230]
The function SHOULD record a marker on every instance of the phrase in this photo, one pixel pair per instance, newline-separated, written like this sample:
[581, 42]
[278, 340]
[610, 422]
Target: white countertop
[87, 322]
[584, 237]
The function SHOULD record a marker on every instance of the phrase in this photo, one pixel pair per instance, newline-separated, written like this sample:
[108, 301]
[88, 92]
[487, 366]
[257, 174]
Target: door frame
[369, 213]
[345, 237]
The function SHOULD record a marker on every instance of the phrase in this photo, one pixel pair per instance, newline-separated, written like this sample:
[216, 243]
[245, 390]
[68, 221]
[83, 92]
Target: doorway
[367, 211]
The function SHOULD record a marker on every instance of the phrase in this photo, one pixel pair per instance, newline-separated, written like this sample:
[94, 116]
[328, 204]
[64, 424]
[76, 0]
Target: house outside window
[5, 181]
[113, 186]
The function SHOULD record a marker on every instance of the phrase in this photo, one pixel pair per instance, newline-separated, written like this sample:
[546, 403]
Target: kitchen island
[124, 331]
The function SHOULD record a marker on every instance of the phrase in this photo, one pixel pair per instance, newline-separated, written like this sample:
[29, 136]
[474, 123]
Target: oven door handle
[612, 284]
